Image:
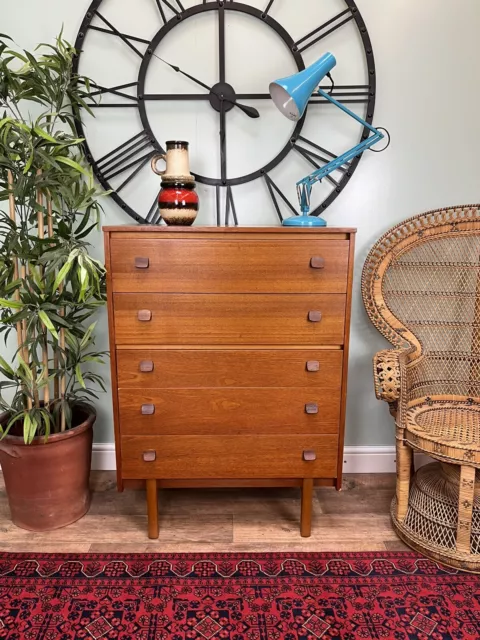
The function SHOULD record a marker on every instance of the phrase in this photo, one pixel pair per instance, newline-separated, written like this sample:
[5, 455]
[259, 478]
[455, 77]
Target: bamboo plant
[49, 284]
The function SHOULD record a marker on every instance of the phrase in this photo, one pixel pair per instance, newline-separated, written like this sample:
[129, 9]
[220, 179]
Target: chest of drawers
[229, 353]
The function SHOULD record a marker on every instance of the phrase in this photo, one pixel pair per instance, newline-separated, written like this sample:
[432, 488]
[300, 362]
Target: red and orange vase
[177, 201]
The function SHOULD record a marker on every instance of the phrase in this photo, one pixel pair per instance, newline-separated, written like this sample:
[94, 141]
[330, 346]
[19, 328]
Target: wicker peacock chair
[421, 289]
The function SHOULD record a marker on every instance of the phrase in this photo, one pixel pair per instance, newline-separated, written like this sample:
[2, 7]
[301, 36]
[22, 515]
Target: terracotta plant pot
[48, 483]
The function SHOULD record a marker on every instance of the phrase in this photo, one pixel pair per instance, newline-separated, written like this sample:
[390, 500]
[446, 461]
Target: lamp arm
[304, 186]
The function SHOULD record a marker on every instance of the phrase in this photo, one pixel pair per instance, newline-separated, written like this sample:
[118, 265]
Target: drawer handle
[315, 316]
[149, 456]
[309, 455]
[144, 315]
[313, 365]
[146, 366]
[317, 262]
[142, 263]
[311, 408]
[148, 409]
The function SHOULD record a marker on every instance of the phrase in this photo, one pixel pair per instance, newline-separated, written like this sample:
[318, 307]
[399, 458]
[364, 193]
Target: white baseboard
[103, 457]
[355, 460]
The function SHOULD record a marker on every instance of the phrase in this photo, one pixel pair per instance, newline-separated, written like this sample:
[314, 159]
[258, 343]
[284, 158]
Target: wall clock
[160, 67]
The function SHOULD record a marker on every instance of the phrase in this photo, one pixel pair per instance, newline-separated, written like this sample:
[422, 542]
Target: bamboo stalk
[40, 216]
[24, 350]
[49, 216]
[62, 377]
[21, 325]
[41, 235]
[56, 387]
[13, 218]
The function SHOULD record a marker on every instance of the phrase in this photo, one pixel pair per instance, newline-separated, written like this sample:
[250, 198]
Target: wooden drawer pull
[142, 263]
[317, 262]
[309, 455]
[313, 365]
[149, 456]
[144, 315]
[315, 316]
[311, 408]
[146, 366]
[148, 409]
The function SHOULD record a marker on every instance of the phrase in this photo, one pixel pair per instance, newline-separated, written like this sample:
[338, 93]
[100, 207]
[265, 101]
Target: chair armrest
[391, 369]
[386, 375]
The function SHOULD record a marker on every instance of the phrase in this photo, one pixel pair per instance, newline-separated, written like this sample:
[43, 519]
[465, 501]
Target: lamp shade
[291, 95]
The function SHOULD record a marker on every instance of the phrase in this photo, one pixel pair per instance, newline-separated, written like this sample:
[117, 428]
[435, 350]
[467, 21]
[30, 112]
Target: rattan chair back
[421, 289]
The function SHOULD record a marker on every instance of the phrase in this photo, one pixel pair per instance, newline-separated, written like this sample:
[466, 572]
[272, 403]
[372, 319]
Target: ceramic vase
[177, 200]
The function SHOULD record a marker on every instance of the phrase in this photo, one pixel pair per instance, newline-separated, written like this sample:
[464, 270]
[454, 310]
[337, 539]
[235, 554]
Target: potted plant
[49, 288]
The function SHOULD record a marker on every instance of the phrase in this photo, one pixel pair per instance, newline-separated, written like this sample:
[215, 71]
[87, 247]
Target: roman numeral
[123, 36]
[326, 158]
[114, 91]
[230, 209]
[153, 216]
[170, 5]
[321, 29]
[274, 190]
[346, 93]
[117, 161]
[313, 157]
[269, 6]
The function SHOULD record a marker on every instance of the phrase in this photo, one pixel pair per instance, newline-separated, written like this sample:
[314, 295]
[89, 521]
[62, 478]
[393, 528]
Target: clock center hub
[222, 89]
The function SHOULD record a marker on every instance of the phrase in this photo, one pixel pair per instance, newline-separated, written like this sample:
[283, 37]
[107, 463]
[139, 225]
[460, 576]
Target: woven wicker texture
[433, 509]
[421, 289]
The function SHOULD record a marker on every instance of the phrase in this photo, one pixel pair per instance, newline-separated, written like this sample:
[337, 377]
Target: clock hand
[251, 112]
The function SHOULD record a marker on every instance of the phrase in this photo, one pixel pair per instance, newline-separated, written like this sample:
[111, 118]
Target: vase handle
[154, 161]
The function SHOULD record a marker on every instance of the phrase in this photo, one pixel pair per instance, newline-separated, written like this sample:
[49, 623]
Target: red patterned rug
[349, 596]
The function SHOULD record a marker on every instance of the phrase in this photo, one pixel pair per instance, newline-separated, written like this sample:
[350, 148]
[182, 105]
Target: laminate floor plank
[220, 520]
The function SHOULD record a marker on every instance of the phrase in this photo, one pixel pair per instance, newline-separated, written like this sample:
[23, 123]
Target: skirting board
[356, 459]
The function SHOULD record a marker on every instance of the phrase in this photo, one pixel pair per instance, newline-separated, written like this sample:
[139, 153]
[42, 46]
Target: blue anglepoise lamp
[291, 96]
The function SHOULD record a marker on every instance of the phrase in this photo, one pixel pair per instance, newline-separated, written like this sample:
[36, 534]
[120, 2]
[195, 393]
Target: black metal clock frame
[222, 98]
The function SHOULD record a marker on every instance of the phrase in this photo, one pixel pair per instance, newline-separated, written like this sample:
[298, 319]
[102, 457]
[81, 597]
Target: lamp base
[304, 221]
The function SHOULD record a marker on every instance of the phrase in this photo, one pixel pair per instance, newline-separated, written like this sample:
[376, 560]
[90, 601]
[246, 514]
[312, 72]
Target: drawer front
[229, 266]
[229, 411]
[174, 457]
[229, 319]
[170, 369]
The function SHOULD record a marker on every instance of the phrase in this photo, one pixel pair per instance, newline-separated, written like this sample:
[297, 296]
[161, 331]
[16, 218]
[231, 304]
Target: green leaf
[10, 304]
[27, 426]
[26, 369]
[73, 164]
[5, 120]
[88, 333]
[29, 164]
[6, 366]
[47, 323]
[43, 134]
[80, 379]
[62, 274]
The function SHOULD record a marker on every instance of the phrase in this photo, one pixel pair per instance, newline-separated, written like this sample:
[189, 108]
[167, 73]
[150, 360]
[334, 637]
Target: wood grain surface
[228, 411]
[194, 368]
[223, 520]
[229, 456]
[252, 319]
[225, 266]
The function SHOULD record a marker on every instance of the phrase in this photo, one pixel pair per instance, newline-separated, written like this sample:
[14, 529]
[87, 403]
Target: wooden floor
[356, 519]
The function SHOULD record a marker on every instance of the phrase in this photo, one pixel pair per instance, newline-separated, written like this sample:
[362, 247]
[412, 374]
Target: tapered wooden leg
[404, 466]
[307, 499]
[465, 508]
[152, 509]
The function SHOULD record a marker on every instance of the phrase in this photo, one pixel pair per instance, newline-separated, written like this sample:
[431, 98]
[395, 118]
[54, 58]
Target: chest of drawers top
[228, 260]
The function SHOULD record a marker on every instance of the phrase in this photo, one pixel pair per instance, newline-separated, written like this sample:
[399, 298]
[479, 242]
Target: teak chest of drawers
[229, 353]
